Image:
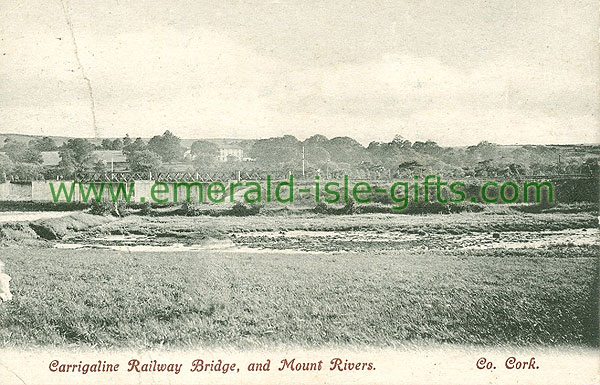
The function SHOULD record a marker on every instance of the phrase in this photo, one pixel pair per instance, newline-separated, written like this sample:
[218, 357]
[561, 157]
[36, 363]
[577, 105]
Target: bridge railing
[258, 175]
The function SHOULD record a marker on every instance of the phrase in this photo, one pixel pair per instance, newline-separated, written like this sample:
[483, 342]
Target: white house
[230, 151]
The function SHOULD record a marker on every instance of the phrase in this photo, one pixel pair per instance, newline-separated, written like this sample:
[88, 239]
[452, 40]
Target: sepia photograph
[299, 192]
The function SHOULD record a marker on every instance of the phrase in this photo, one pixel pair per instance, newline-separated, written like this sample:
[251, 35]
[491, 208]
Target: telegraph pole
[559, 170]
[302, 160]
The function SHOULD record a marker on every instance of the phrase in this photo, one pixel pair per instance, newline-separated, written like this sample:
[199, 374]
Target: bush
[237, 210]
[121, 209]
[322, 208]
[105, 208]
[146, 209]
[442, 208]
[191, 209]
[101, 208]
[348, 208]
[242, 210]
[384, 199]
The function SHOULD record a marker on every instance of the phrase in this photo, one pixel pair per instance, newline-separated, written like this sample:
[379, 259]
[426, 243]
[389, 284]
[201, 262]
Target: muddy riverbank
[357, 233]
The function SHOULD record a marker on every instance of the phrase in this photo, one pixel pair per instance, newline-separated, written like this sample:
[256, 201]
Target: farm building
[114, 158]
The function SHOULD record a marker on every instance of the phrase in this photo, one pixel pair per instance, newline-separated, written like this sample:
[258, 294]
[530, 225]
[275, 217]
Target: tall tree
[167, 146]
[429, 147]
[315, 151]
[43, 144]
[76, 155]
[126, 140]
[144, 161]
[21, 152]
[347, 150]
[27, 171]
[137, 145]
[6, 166]
[204, 153]
[116, 144]
[106, 144]
[281, 152]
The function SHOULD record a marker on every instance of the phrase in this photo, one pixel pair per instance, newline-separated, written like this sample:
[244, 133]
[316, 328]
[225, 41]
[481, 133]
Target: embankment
[12, 233]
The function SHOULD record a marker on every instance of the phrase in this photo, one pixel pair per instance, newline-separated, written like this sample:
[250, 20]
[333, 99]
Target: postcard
[299, 192]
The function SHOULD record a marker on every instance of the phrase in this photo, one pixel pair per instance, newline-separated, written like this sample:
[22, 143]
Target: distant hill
[244, 143]
[26, 138]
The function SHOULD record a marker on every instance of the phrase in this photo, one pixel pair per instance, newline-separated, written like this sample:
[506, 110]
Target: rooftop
[51, 158]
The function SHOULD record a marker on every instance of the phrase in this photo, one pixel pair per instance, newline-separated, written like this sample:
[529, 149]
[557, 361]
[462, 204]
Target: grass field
[104, 298]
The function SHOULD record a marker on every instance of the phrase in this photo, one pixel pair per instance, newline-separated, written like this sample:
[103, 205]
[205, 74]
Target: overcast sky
[456, 72]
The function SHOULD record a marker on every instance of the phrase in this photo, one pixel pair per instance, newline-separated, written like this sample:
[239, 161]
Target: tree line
[314, 155]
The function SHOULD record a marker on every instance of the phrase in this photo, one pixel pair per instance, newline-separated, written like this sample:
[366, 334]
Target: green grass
[110, 299]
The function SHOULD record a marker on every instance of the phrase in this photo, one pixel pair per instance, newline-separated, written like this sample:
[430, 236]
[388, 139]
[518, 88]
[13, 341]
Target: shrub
[191, 209]
[121, 209]
[322, 208]
[105, 207]
[442, 208]
[146, 209]
[101, 208]
[348, 208]
[384, 199]
[241, 210]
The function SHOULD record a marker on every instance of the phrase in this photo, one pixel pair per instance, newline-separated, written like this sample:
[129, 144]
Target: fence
[259, 175]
